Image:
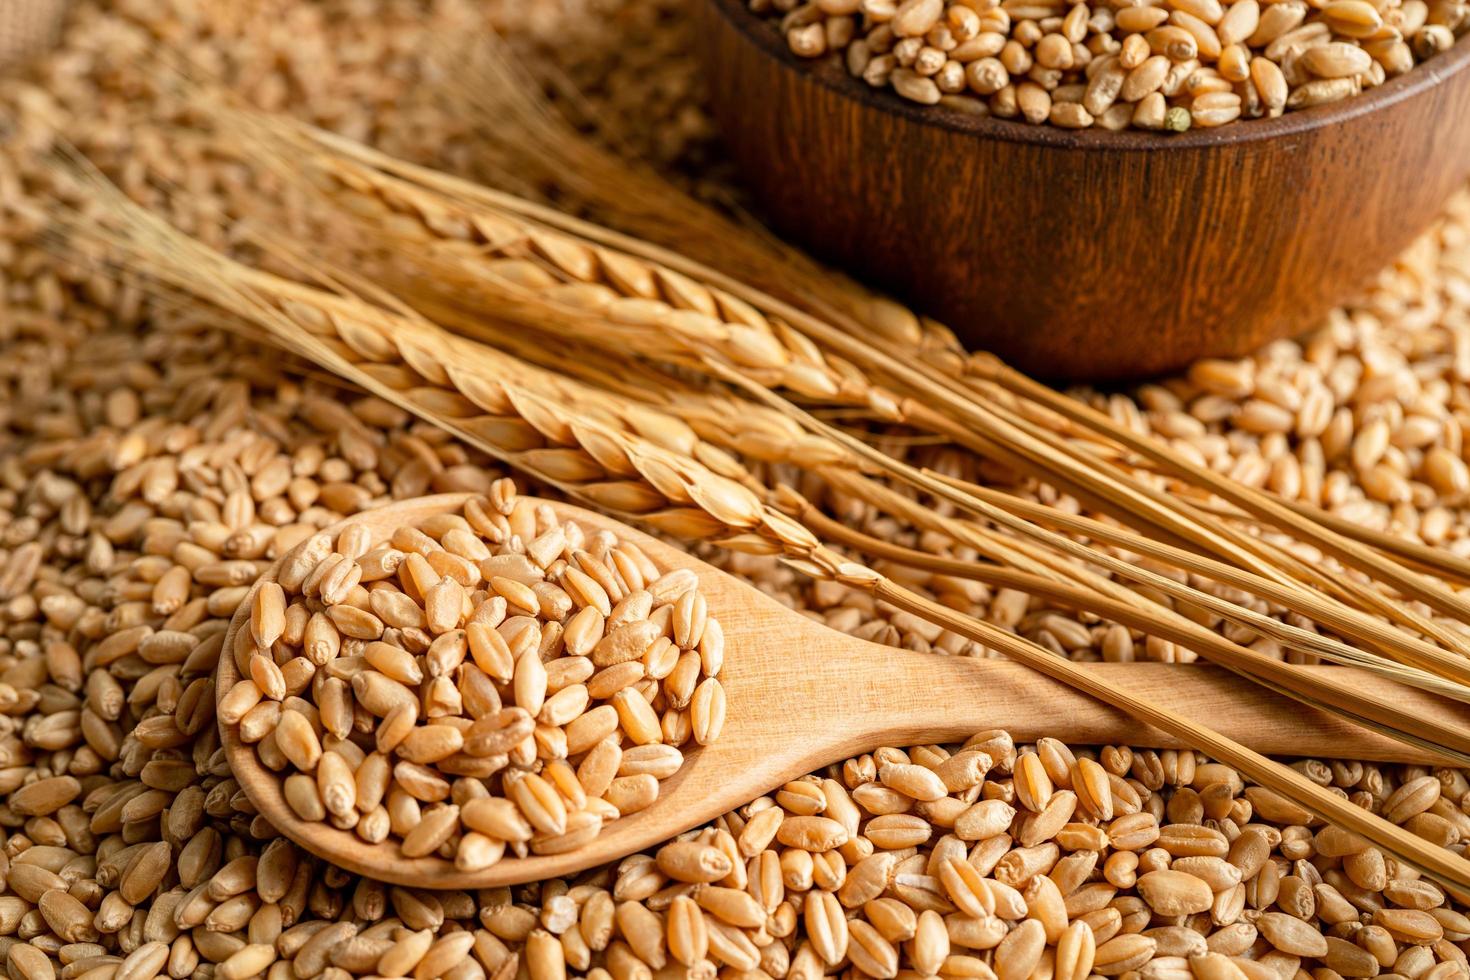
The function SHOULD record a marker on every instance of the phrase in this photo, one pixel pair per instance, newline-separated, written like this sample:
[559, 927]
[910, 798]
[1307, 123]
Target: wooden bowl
[1089, 254]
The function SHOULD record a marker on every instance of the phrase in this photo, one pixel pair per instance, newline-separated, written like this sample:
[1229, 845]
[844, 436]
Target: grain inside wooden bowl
[1089, 254]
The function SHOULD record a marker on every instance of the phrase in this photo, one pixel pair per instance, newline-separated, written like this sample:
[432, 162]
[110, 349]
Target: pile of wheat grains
[489, 646]
[1156, 66]
[150, 463]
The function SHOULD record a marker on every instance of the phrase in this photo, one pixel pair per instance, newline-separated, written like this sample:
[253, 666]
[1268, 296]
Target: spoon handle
[898, 697]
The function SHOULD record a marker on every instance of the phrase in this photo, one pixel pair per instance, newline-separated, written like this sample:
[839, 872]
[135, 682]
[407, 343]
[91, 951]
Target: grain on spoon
[491, 681]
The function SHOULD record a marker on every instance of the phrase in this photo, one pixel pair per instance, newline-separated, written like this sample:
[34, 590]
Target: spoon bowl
[801, 696]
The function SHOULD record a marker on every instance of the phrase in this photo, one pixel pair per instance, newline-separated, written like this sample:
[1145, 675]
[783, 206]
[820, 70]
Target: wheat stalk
[462, 388]
[1350, 622]
[1343, 539]
[1421, 655]
[537, 297]
[818, 452]
[1439, 562]
[658, 310]
[1390, 722]
[532, 419]
[1261, 551]
[1041, 448]
[526, 140]
[532, 134]
[390, 357]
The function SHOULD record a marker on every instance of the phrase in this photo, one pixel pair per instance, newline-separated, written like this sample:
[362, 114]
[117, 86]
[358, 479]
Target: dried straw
[528, 132]
[463, 388]
[522, 297]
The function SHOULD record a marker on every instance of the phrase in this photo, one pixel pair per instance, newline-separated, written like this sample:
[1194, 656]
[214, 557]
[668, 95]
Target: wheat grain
[184, 364]
[1329, 55]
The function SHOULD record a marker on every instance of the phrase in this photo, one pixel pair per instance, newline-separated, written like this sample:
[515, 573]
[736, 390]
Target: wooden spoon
[802, 695]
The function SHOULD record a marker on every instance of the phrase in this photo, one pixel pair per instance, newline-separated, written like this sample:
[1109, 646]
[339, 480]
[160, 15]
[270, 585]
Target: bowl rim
[828, 73]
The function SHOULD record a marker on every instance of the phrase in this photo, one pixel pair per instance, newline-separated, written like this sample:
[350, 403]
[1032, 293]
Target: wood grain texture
[802, 696]
[1089, 254]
